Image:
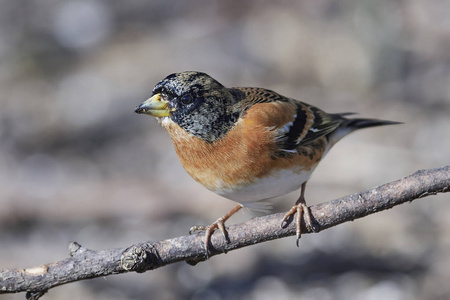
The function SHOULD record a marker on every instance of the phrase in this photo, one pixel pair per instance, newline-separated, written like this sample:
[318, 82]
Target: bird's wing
[294, 123]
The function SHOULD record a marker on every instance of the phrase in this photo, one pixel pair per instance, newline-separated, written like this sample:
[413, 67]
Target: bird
[246, 144]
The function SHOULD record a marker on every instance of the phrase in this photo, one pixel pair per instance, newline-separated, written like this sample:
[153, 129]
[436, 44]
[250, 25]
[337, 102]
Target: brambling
[246, 144]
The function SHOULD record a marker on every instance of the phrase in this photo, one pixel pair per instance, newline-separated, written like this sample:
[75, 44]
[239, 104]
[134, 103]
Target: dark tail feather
[365, 123]
[349, 125]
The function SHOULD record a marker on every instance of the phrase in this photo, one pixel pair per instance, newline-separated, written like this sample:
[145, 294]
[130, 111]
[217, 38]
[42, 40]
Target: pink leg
[218, 224]
[300, 208]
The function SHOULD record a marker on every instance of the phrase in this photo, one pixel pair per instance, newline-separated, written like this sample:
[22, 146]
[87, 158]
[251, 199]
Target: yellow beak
[154, 106]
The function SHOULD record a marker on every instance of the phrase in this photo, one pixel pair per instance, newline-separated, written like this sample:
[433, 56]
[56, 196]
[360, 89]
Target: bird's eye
[186, 99]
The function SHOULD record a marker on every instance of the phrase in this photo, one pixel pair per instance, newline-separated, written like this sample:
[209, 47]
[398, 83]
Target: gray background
[77, 164]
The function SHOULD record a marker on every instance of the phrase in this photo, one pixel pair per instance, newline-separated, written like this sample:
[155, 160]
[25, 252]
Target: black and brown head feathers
[198, 104]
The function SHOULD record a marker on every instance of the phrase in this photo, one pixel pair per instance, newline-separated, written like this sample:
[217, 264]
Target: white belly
[279, 183]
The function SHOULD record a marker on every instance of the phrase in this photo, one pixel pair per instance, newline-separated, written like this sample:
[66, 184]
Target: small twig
[85, 263]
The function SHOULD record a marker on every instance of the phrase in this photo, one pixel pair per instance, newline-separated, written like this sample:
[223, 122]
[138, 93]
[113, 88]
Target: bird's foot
[209, 230]
[298, 210]
[218, 224]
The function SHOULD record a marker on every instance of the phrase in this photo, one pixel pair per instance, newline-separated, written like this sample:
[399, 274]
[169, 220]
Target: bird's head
[196, 102]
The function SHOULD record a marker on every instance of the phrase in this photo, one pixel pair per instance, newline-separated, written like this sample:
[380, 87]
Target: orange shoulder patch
[272, 115]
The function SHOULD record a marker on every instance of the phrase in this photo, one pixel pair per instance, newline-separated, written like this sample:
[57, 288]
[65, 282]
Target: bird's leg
[218, 224]
[300, 208]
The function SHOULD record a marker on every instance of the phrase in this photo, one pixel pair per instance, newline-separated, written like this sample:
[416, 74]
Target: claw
[299, 209]
[218, 224]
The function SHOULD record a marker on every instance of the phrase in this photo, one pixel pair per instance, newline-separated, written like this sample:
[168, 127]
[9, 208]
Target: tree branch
[85, 263]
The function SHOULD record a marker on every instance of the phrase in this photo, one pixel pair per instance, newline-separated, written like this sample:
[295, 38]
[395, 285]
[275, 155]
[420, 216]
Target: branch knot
[139, 258]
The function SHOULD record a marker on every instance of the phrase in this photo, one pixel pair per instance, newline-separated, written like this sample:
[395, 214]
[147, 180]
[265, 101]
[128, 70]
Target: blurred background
[76, 164]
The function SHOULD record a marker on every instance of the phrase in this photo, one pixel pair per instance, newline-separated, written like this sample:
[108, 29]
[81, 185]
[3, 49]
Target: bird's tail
[349, 125]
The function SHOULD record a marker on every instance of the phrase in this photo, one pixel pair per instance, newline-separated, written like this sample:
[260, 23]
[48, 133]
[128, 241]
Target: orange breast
[246, 153]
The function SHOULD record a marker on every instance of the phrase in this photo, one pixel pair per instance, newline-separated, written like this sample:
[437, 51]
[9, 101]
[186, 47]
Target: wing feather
[307, 124]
